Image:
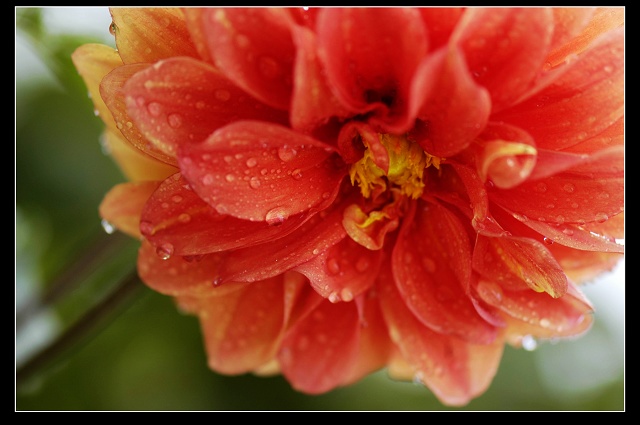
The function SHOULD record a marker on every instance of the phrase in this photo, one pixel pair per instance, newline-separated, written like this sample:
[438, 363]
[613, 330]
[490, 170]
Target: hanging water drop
[165, 251]
[108, 227]
[276, 216]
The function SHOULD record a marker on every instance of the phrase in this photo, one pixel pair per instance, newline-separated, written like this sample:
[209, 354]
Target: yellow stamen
[407, 161]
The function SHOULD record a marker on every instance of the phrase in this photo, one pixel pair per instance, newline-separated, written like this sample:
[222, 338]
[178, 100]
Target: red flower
[336, 191]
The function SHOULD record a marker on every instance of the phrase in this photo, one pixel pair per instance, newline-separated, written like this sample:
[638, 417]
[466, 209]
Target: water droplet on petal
[333, 266]
[334, 297]
[276, 216]
[108, 227]
[174, 120]
[254, 183]
[296, 174]
[548, 241]
[184, 218]
[165, 251]
[251, 162]
[154, 108]
[569, 187]
[286, 153]
[230, 177]
[529, 343]
[601, 217]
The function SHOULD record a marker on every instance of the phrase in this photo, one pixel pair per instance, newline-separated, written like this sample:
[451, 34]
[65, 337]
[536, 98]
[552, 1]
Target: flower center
[391, 160]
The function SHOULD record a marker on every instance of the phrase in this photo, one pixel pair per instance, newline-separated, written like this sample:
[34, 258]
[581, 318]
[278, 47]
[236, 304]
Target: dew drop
[230, 178]
[569, 187]
[154, 108]
[547, 241]
[490, 292]
[286, 153]
[108, 227]
[165, 251]
[251, 162]
[174, 120]
[254, 183]
[184, 218]
[207, 179]
[296, 174]
[529, 343]
[568, 231]
[346, 294]
[333, 266]
[601, 217]
[146, 228]
[176, 198]
[334, 297]
[276, 216]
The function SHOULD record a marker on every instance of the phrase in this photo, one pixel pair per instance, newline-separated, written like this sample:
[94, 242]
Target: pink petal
[262, 172]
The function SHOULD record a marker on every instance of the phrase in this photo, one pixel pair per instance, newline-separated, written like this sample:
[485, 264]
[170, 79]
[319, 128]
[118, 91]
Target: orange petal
[123, 204]
[455, 370]
[147, 34]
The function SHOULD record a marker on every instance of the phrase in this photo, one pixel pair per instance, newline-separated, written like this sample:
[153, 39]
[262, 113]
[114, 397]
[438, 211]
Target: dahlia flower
[339, 191]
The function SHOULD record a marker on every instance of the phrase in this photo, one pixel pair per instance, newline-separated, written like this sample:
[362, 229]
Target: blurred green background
[142, 353]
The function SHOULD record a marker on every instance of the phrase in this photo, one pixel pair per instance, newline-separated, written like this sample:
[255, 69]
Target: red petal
[176, 275]
[313, 102]
[568, 23]
[504, 48]
[370, 55]
[318, 234]
[111, 92]
[591, 191]
[538, 314]
[455, 370]
[320, 351]
[181, 100]
[254, 49]
[453, 108]
[263, 172]
[176, 217]
[145, 34]
[585, 100]
[432, 269]
[242, 329]
[343, 271]
[440, 23]
[517, 263]
[123, 205]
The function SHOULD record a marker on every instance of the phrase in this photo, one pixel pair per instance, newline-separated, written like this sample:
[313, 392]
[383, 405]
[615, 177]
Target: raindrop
[154, 108]
[286, 153]
[296, 174]
[276, 216]
[175, 120]
[334, 297]
[165, 251]
[346, 294]
[490, 292]
[113, 28]
[529, 343]
[254, 183]
[176, 198]
[547, 241]
[601, 217]
[146, 228]
[207, 179]
[569, 187]
[184, 218]
[230, 177]
[108, 227]
[252, 162]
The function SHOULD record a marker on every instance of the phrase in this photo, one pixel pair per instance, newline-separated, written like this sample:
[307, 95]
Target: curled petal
[432, 276]
[262, 172]
[519, 263]
[453, 108]
[592, 190]
[261, 66]
[175, 217]
[183, 100]
[504, 48]
[123, 205]
[149, 34]
[537, 314]
[507, 157]
[455, 370]
[370, 62]
[368, 230]
[343, 271]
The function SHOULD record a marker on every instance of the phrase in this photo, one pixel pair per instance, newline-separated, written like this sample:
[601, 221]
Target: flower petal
[146, 34]
[431, 267]
[455, 370]
[370, 56]
[242, 328]
[343, 271]
[123, 204]
[504, 48]
[319, 233]
[538, 314]
[572, 196]
[174, 216]
[453, 108]
[261, 66]
[182, 100]
[320, 350]
[111, 92]
[262, 172]
[518, 262]
[584, 101]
